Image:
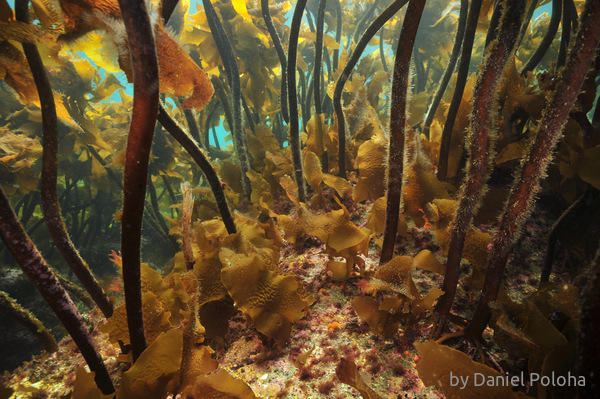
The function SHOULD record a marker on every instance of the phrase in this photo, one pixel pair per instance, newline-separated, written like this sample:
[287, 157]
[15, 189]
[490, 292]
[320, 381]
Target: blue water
[220, 130]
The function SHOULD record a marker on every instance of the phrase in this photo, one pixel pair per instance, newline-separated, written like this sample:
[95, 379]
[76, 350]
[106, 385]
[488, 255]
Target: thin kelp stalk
[494, 22]
[569, 14]
[399, 94]
[460, 34]
[419, 72]
[528, 17]
[582, 203]
[459, 88]
[135, 176]
[538, 157]
[293, 99]
[233, 75]
[49, 179]
[35, 267]
[196, 153]
[12, 309]
[549, 36]
[338, 33]
[348, 68]
[362, 22]
[160, 220]
[318, 66]
[74, 289]
[168, 6]
[382, 51]
[317, 81]
[187, 208]
[264, 4]
[223, 99]
[192, 125]
[481, 140]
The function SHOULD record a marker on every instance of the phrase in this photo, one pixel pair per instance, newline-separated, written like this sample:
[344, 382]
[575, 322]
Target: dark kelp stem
[400, 83]
[565, 218]
[196, 153]
[362, 21]
[26, 254]
[460, 34]
[49, 179]
[589, 344]
[222, 94]
[534, 165]
[539, 53]
[527, 21]
[381, 50]
[338, 33]
[317, 81]
[318, 66]
[137, 153]
[569, 14]
[293, 100]
[459, 88]
[481, 139]
[281, 54]
[192, 124]
[233, 74]
[494, 22]
[348, 68]
[11, 308]
[168, 6]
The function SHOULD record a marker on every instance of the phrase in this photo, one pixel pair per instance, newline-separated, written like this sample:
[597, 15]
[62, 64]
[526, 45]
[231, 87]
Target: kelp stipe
[461, 80]
[293, 100]
[11, 308]
[460, 34]
[33, 264]
[398, 126]
[386, 14]
[233, 76]
[264, 5]
[535, 163]
[139, 141]
[49, 179]
[482, 136]
[209, 171]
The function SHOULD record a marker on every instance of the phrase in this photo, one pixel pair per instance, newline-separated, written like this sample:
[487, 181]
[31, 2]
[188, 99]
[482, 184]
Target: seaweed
[294, 248]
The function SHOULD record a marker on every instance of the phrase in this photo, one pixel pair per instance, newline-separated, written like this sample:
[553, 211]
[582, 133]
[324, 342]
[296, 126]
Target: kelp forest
[299, 199]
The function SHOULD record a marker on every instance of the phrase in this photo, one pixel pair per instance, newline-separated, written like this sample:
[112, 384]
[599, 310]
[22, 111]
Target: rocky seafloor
[305, 367]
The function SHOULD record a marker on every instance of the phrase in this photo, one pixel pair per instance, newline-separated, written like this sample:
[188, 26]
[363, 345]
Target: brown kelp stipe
[400, 82]
[459, 88]
[317, 80]
[209, 171]
[187, 207]
[482, 136]
[538, 157]
[12, 309]
[458, 39]
[264, 5]
[143, 120]
[293, 100]
[233, 76]
[375, 26]
[49, 180]
[26, 254]
[536, 57]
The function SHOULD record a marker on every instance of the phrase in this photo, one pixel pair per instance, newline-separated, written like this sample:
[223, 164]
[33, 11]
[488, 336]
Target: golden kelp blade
[179, 75]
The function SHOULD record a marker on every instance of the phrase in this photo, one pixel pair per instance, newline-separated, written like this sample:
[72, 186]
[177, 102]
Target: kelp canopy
[348, 163]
